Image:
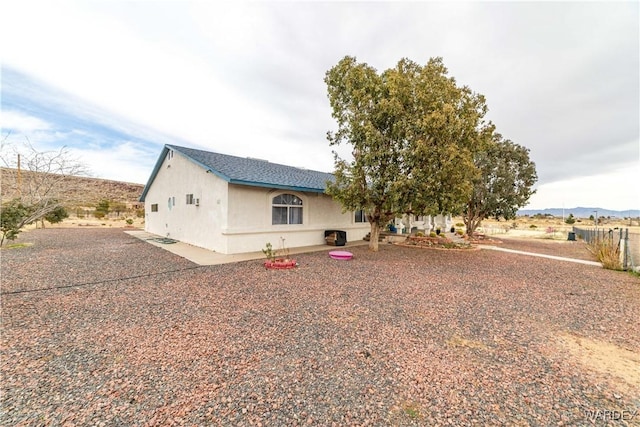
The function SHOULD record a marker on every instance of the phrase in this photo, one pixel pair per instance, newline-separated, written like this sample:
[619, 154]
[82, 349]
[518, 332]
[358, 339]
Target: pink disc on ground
[341, 255]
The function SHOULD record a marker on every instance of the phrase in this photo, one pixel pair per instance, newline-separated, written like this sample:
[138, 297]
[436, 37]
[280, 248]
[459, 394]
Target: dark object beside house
[335, 237]
[571, 236]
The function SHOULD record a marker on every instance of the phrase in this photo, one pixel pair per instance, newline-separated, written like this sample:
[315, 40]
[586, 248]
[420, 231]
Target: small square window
[154, 207]
[361, 216]
[190, 199]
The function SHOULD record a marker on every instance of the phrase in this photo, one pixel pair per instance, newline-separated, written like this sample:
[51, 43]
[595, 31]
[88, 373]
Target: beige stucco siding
[199, 225]
[250, 222]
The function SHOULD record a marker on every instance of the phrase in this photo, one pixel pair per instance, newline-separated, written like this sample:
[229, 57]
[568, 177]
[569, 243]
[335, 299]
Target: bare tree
[36, 179]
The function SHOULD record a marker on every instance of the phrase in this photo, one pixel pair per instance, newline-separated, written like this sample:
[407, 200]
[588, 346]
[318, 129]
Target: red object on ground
[280, 264]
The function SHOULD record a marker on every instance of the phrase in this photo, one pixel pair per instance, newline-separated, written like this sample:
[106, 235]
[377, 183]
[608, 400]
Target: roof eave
[277, 186]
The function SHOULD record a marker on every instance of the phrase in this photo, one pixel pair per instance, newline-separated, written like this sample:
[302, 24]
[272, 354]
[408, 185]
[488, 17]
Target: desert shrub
[533, 226]
[570, 219]
[459, 224]
[419, 234]
[102, 209]
[607, 253]
[459, 232]
[433, 234]
[57, 215]
[129, 221]
[12, 219]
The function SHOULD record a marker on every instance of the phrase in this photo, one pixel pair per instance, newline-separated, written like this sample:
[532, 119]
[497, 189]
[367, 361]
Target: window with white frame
[286, 209]
[361, 216]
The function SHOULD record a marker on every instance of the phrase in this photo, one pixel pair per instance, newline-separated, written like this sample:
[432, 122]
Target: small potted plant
[278, 259]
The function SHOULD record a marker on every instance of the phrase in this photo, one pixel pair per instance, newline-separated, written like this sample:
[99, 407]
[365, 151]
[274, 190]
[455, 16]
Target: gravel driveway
[101, 328]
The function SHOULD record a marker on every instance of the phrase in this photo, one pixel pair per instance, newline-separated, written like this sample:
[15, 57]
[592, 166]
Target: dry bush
[607, 253]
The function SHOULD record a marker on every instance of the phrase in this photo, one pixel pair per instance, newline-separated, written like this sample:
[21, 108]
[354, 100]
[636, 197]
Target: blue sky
[110, 146]
[114, 81]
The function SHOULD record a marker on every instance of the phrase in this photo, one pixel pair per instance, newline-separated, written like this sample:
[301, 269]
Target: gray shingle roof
[252, 172]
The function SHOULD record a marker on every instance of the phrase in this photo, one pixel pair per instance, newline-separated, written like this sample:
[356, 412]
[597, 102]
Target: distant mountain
[581, 212]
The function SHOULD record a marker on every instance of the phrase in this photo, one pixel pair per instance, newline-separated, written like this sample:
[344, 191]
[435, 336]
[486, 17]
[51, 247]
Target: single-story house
[232, 204]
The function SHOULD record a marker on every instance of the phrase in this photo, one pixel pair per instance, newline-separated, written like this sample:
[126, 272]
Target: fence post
[624, 248]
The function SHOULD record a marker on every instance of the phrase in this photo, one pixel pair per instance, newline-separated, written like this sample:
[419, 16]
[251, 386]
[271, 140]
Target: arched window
[286, 209]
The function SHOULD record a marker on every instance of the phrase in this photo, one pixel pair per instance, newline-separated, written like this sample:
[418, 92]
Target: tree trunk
[472, 219]
[472, 223]
[374, 236]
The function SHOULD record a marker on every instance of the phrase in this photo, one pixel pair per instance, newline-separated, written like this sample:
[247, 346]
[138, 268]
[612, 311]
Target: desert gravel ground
[100, 328]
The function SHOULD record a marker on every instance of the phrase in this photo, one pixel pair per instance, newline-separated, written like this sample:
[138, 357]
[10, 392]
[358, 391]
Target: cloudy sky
[114, 81]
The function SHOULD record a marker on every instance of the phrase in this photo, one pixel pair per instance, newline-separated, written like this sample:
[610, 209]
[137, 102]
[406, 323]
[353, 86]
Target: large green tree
[412, 131]
[367, 118]
[504, 184]
[444, 130]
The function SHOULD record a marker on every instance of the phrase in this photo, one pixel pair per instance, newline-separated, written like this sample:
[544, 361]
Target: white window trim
[305, 208]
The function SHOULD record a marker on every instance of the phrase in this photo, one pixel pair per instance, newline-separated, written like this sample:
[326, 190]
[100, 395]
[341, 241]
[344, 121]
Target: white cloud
[18, 122]
[246, 78]
[618, 190]
[124, 161]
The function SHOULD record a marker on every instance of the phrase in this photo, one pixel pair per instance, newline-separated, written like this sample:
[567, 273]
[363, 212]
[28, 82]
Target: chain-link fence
[629, 243]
